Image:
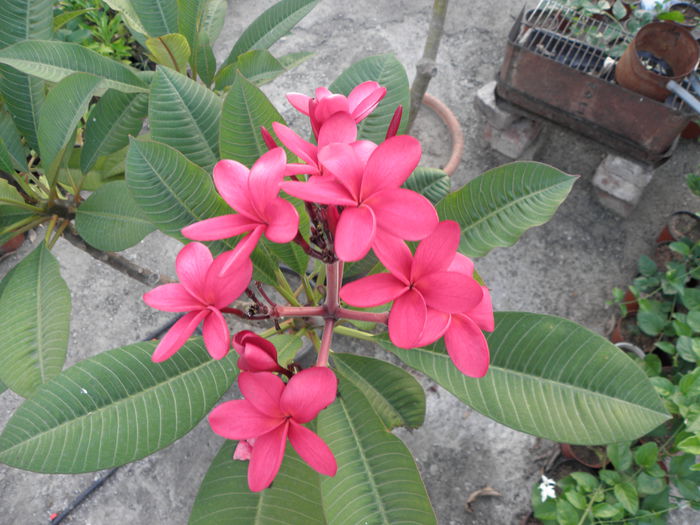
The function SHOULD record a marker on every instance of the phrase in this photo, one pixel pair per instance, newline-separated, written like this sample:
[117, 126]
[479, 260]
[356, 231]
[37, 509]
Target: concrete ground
[567, 268]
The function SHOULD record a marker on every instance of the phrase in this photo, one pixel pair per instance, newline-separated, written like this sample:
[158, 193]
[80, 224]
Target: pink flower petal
[394, 255]
[235, 259]
[340, 127]
[340, 161]
[282, 221]
[450, 292]
[229, 276]
[257, 353]
[217, 338]
[363, 149]
[322, 192]
[437, 250]
[172, 298]
[300, 169]
[239, 419]
[482, 314]
[297, 145]
[312, 449]
[299, 102]
[407, 319]
[354, 233]
[309, 392]
[372, 290]
[366, 106]
[467, 346]
[178, 335]
[329, 105]
[462, 264]
[222, 227]
[391, 164]
[436, 324]
[322, 92]
[264, 179]
[403, 213]
[266, 458]
[361, 92]
[231, 181]
[191, 266]
[243, 451]
[263, 391]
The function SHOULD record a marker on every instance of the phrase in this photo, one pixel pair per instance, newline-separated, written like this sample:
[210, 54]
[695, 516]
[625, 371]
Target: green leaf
[34, 320]
[115, 116]
[2, 387]
[497, 207]
[577, 499]
[114, 408]
[609, 477]
[691, 298]
[65, 105]
[204, 60]
[587, 481]
[128, 12]
[270, 26]
[157, 17]
[292, 60]
[647, 267]
[13, 144]
[289, 254]
[690, 445]
[647, 454]
[23, 20]
[258, 66]
[388, 72]
[171, 50]
[395, 395]
[287, 347]
[651, 323]
[432, 183]
[576, 386]
[245, 110]
[604, 510]
[9, 194]
[626, 494]
[110, 220]
[5, 159]
[620, 455]
[171, 191]
[566, 513]
[377, 479]
[10, 215]
[224, 497]
[200, 17]
[647, 485]
[66, 16]
[185, 115]
[53, 61]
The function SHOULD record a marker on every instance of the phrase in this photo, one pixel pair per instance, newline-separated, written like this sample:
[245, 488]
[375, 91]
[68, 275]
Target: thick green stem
[352, 332]
[427, 67]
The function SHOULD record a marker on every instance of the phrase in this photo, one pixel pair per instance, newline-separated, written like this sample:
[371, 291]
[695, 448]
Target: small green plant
[646, 479]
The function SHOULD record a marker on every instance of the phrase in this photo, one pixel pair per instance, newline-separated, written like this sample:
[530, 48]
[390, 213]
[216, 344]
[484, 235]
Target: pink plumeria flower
[202, 293]
[273, 411]
[434, 294]
[254, 195]
[368, 188]
[257, 354]
[361, 101]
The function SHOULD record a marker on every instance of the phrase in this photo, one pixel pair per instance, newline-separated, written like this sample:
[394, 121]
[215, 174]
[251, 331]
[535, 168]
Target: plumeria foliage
[289, 241]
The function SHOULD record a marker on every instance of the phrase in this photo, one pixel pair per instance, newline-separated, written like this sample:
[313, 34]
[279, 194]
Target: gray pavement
[565, 268]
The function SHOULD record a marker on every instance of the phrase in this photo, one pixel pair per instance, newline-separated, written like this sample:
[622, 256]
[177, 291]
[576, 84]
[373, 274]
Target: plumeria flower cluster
[353, 193]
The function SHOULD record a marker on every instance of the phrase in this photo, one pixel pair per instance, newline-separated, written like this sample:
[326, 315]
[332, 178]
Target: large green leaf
[270, 26]
[23, 20]
[115, 116]
[114, 408]
[34, 320]
[65, 105]
[432, 183]
[10, 137]
[388, 72]
[203, 17]
[289, 254]
[552, 378]
[129, 15]
[224, 497]
[10, 215]
[2, 387]
[397, 398]
[377, 479]
[497, 207]
[171, 50]
[157, 17]
[172, 191]
[257, 65]
[9, 194]
[185, 115]
[245, 110]
[203, 59]
[6, 164]
[54, 60]
[110, 220]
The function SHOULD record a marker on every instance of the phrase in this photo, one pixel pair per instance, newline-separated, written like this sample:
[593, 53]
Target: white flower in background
[547, 488]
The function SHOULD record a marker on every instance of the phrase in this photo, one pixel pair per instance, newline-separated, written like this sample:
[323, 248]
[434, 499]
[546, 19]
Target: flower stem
[334, 273]
[272, 331]
[356, 315]
[284, 289]
[352, 332]
[326, 339]
[298, 311]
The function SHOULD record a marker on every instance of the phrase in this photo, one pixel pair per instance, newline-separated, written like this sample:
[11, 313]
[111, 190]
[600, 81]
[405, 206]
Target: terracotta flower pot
[669, 44]
[12, 244]
[593, 457]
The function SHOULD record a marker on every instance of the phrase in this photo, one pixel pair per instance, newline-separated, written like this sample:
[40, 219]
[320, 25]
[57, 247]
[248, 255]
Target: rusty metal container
[570, 82]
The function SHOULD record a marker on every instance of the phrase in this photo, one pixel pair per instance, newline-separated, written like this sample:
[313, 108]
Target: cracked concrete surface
[566, 267]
